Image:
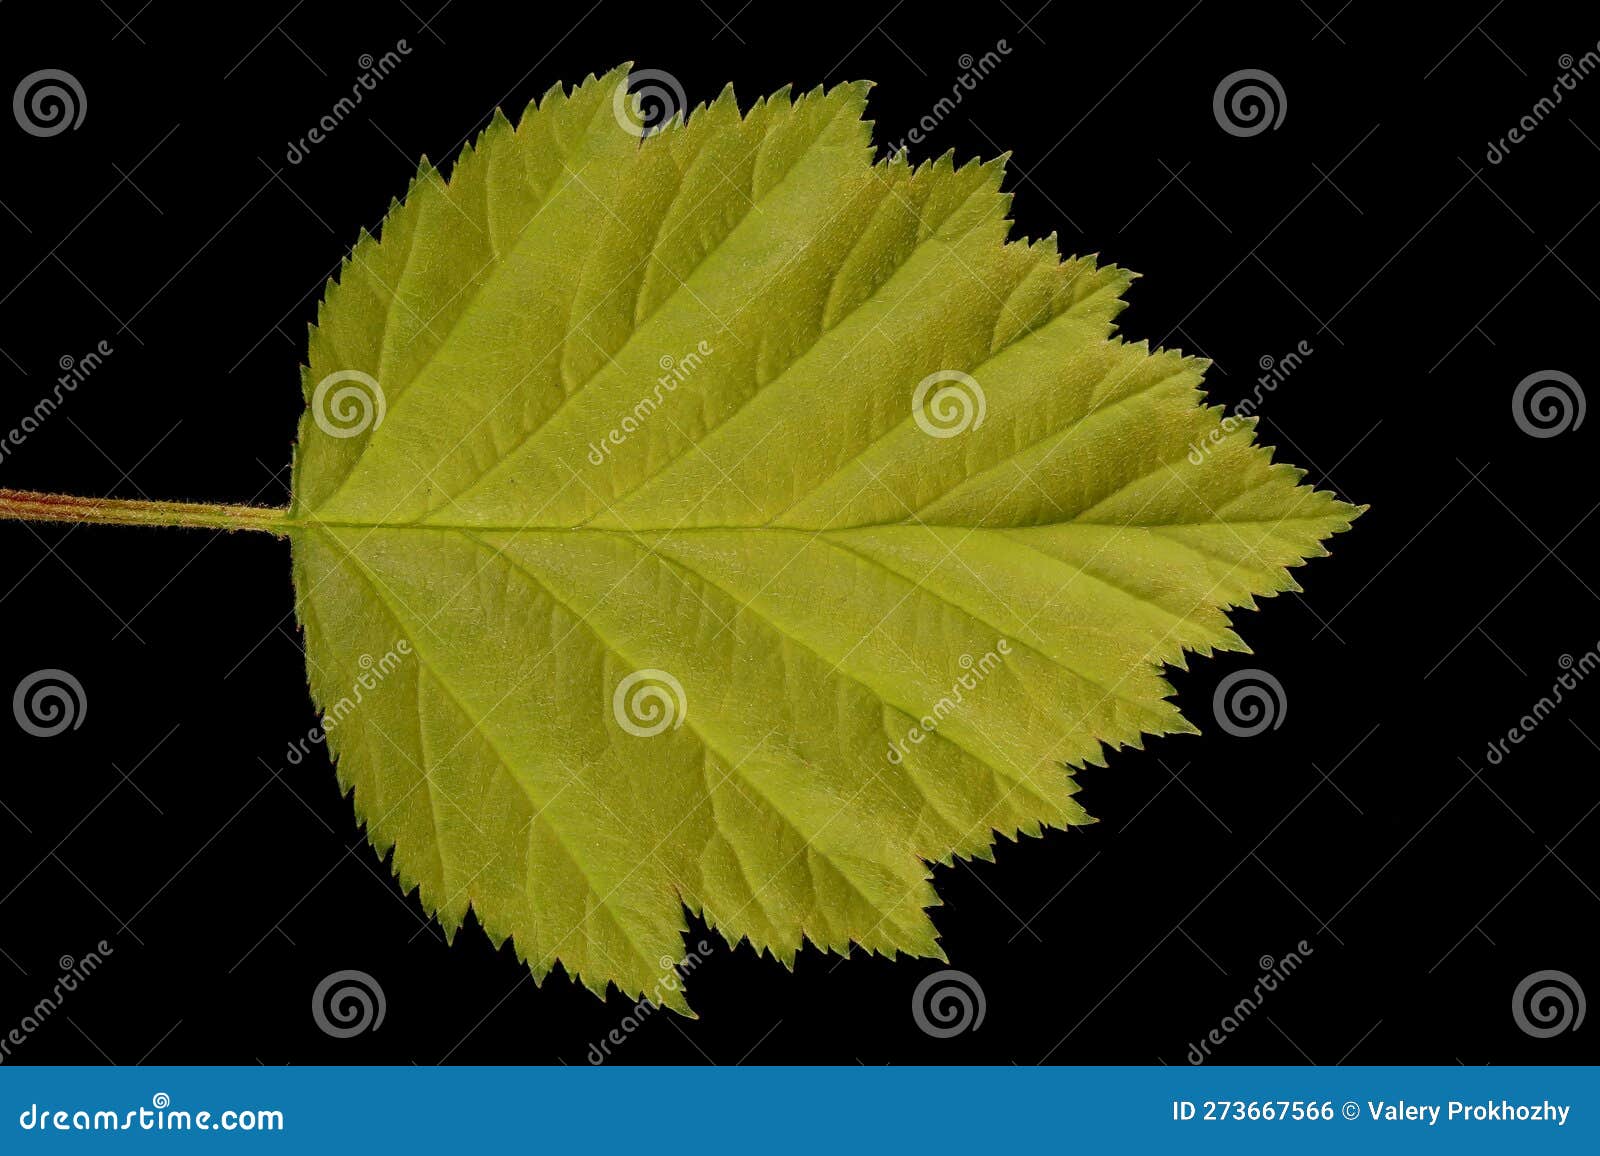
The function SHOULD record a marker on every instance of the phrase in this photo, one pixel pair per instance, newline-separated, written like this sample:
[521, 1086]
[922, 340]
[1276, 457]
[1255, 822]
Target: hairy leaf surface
[736, 523]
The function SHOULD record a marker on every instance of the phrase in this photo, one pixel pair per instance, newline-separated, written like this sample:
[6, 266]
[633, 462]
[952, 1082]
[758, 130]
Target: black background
[1368, 224]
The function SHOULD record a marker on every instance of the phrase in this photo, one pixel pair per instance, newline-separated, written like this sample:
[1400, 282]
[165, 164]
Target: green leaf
[722, 520]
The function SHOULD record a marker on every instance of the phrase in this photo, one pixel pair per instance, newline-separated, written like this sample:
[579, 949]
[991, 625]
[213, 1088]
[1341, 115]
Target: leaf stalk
[23, 506]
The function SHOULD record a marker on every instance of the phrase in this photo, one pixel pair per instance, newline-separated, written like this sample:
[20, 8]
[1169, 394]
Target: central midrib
[314, 523]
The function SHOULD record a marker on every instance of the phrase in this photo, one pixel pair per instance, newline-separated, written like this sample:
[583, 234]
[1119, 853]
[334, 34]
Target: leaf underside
[777, 532]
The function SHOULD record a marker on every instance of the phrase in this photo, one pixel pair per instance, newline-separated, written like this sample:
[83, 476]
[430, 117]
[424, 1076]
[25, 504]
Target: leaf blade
[882, 644]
